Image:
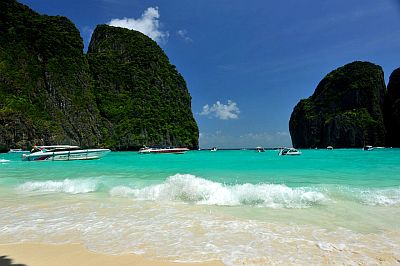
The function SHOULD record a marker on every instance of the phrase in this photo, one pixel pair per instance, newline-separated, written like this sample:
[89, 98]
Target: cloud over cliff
[147, 24]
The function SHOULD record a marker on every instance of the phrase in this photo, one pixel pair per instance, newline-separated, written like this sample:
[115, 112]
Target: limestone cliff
[129, 95]
[346, 110]
[392, 110]
[140, 95]
[45, 83]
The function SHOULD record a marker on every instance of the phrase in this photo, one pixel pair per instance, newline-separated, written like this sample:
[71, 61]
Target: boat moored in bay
[162, 150]
[368, 148]
[17, 151]
[260, 149]
[289, 151]
[63, 153]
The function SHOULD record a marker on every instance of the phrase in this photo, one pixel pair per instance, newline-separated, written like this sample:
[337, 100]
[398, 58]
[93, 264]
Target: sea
[240, 207]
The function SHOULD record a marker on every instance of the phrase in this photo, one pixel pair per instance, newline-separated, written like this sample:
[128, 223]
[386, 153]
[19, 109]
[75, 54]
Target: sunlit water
[241, 207]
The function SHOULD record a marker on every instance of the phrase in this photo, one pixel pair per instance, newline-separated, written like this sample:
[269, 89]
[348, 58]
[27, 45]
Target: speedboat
[63, 153]
[289, 151]
[329, 148]
[156, 149]
[260, 149]
[16, 151]
[368, 148]
[214, 149]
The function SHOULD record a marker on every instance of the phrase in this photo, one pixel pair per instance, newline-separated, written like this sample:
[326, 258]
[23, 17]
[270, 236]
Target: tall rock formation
[140, 95]
[45, 83]
[392, 110]
[129, 95]
[346, 110]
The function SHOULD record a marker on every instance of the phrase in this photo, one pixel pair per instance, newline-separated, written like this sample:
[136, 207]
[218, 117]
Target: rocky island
[122, 94]
[345, 111]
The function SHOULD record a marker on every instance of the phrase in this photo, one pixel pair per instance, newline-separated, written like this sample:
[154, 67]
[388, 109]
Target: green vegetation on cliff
[138, 91]
[129, 95]
[346, 110]
[392, 110]
[45, 84]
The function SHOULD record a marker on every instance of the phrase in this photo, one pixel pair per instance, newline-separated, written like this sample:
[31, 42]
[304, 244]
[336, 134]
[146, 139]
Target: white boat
[368, 148]
[260, 149]
[162, 150]
[214, 149]
[289, 151]
[63, 153]
[16, 151]
[329, 148]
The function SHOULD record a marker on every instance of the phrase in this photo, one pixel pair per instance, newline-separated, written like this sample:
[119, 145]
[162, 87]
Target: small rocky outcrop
[392, 110]
[346, 110]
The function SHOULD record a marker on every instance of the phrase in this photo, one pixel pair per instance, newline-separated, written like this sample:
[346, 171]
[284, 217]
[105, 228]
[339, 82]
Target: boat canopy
[55, 148]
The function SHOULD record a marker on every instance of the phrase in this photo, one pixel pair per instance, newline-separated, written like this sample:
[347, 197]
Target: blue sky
[248, 63]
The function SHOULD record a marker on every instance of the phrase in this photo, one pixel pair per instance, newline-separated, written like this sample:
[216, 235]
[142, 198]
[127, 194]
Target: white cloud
[222, 111]
[184, 36]
[147, 24]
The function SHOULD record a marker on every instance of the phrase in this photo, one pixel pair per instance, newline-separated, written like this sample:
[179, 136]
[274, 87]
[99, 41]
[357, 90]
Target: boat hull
[289, 151]
[90, 154]
[163, 151]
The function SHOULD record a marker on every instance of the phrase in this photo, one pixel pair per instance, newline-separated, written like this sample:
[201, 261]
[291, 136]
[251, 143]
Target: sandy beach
[74, 254]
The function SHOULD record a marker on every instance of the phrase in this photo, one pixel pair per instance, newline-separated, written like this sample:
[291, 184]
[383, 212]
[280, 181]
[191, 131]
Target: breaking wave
[192, 189]
[375, 197]
[67, 186]
[196, 190]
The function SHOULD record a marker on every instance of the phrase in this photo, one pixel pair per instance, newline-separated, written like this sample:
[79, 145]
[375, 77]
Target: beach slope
[75, 254]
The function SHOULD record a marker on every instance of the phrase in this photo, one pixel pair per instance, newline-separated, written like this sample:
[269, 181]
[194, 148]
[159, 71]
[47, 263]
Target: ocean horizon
[240, 207]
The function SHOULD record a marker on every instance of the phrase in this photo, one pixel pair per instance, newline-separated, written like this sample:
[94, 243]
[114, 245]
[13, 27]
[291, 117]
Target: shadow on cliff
[5, 261]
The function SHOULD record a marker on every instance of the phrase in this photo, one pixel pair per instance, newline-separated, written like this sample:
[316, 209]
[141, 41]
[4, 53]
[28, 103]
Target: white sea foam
[67, 186]
[177, 233]
[331, 247]
[189, 188]
[369, 196]
[379, 197]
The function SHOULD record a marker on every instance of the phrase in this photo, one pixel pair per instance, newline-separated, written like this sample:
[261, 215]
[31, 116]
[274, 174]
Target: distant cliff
[392, 110]
[129, 95]
[346, 110]
[141, 96]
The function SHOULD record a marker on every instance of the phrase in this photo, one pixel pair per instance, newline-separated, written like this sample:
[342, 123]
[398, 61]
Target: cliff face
[141, 96]
[45, 83]
[392, 110]
[128, 96]
[346, 110]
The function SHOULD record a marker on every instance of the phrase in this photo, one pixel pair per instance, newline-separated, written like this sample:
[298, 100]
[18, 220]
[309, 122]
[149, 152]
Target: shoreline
[38, 254]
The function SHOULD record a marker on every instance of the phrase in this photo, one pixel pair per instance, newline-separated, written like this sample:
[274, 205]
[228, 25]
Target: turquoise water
[241, 207]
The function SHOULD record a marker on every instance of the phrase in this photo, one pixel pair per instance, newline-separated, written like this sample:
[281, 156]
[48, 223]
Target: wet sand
[77, 255]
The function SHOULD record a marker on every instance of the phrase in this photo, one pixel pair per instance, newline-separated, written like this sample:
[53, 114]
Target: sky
[248, 63]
